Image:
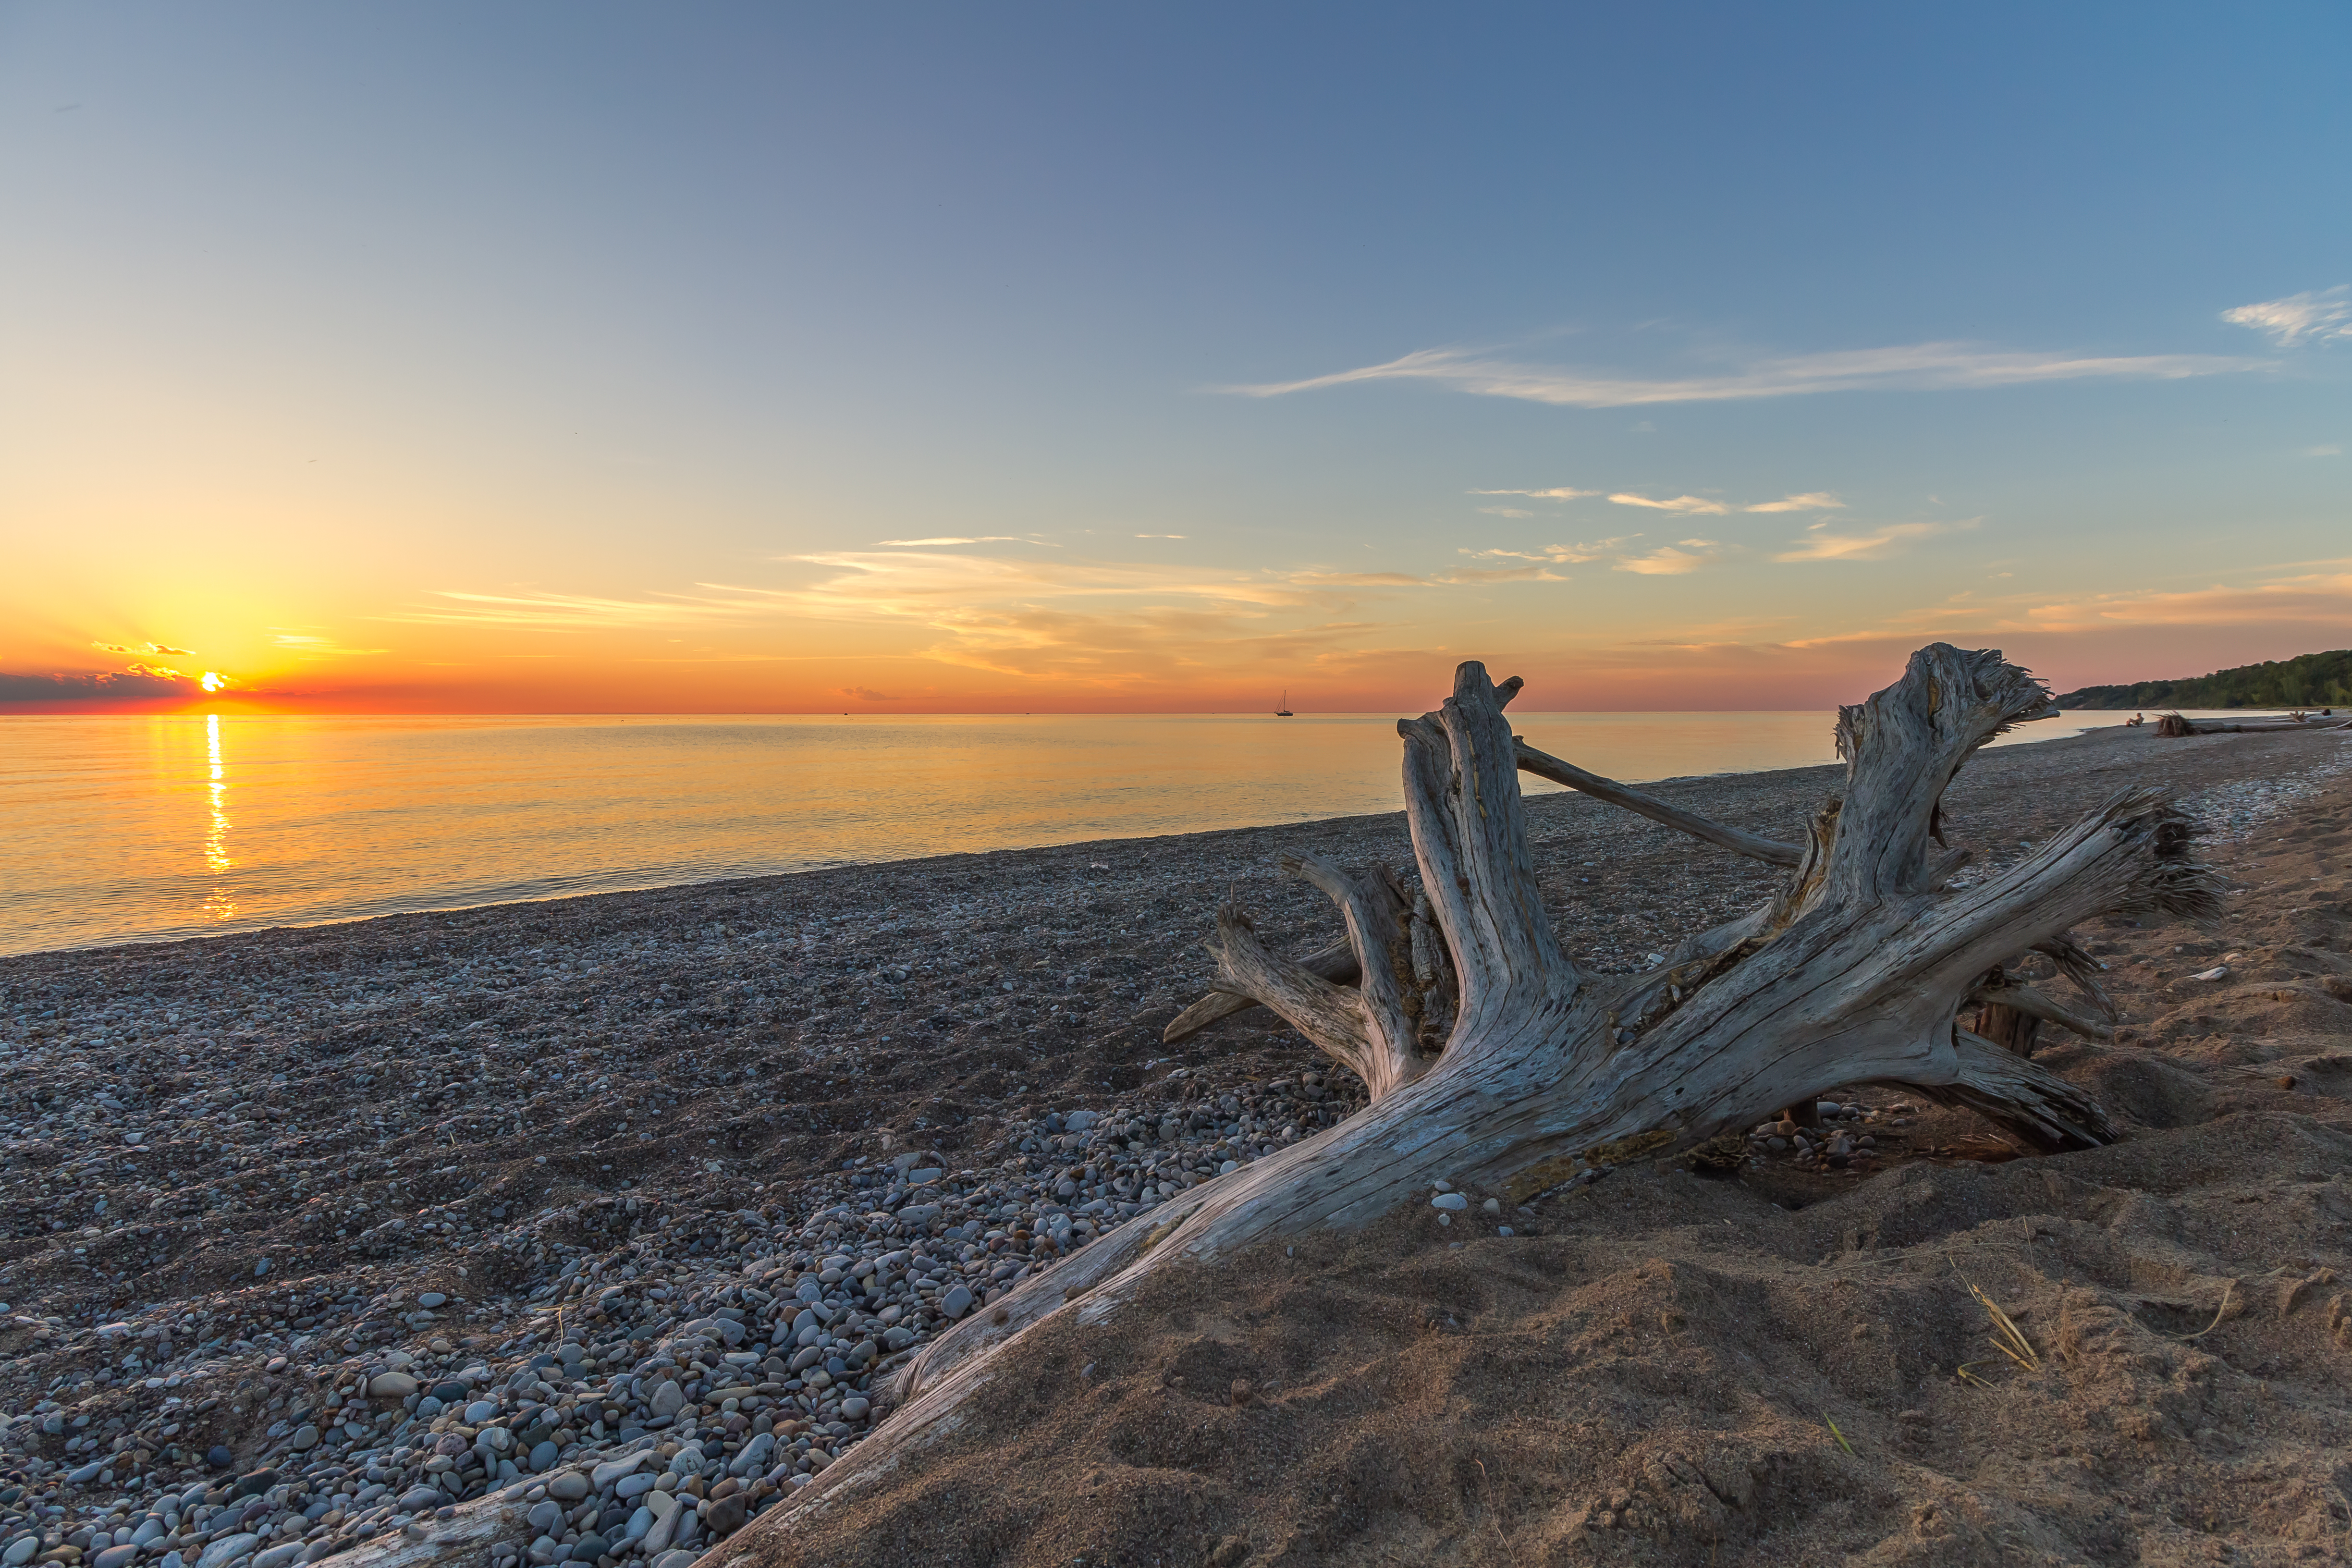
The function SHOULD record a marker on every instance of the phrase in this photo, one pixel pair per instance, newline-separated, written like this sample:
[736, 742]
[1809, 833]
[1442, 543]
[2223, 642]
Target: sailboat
[1283, 711]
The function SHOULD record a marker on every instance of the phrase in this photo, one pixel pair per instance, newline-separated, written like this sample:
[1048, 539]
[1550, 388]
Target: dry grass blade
[1965, 1375]
[2227, 1291]
[1836, 1434]
[2007, 1337]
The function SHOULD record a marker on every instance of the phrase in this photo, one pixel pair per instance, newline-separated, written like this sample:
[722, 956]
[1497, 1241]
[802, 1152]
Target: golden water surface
[126, 828]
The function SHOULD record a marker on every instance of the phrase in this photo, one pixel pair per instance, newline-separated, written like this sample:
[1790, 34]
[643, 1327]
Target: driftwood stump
[1496, 1063]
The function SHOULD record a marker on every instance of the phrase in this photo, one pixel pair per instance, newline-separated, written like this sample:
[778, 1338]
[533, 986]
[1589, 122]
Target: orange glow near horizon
[1218, 646]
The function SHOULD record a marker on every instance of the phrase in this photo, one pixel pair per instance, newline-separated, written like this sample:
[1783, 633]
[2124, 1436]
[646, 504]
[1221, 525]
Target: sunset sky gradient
[586, 357]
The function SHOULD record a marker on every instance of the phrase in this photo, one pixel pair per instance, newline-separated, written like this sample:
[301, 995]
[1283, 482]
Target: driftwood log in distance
[1858, 971]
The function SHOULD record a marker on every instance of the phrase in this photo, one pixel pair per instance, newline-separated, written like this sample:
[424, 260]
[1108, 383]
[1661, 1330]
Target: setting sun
[212, 682]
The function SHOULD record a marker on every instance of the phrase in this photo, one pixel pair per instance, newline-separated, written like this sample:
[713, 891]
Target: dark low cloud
[138, 682]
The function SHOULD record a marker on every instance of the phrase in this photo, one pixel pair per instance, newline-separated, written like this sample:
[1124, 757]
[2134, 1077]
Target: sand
[1650, 1375]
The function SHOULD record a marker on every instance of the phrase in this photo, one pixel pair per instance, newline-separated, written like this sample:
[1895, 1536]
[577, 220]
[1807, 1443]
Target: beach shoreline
[250, 1156]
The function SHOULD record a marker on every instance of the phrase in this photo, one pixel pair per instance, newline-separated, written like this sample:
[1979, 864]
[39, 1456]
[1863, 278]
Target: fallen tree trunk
[1856, 971]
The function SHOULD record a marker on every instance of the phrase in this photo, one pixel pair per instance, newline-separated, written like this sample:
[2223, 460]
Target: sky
[582, 357]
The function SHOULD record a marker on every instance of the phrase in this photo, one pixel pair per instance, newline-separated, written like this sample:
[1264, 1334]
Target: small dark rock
[220, 1459]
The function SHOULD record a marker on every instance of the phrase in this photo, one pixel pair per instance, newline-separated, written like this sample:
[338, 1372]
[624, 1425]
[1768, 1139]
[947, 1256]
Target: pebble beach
[621, 1210]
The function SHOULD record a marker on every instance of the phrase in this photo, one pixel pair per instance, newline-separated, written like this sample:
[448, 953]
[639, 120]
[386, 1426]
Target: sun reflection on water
[219, 904]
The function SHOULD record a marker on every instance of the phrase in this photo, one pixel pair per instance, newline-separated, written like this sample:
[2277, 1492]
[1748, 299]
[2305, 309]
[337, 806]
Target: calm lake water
[151, 827]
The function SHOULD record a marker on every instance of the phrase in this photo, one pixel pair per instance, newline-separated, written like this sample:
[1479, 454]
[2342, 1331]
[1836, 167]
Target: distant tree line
[2308, 681]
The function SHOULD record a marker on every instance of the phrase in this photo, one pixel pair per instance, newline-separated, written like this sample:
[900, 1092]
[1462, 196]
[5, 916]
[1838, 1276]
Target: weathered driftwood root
[1856, 971]
[1337, 962]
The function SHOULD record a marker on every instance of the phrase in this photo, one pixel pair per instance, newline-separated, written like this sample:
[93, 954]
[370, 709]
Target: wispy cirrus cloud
[1359, 579]
[977, 539]
[1809, 500]
[2313, 595]
[1554, 554]
[1105, 624]
[1476, 574]
[582, 611]
[1912, 367]
[1656, 560]
[1871, 544]
[1693, 504]
[1812, 501]
[2321, 597]
[2314, 316]
[1112, 624]
[1672, 560]
[309, 643]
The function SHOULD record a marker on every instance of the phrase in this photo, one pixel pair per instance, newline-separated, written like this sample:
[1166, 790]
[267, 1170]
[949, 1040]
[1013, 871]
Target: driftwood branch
[2034, 1004]
[2031, 1104]
[1756, 846]
[1335, 962]
[1369, 1028]
[2083, 971]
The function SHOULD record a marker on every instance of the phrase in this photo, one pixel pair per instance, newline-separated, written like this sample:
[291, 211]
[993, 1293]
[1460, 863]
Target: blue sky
[580, 354]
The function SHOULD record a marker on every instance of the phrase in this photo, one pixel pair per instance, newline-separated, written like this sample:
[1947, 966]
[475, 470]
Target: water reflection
[219, 904]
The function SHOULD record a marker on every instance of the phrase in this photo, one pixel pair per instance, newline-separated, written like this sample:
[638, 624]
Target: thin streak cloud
[1812, 501]
[1670, 560]
[1554, 554]
[574, 612]
[2315, 316]
[1558, 492]
[1875, 544]
[1692, 504]
[957, 539]
[1915, 367]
